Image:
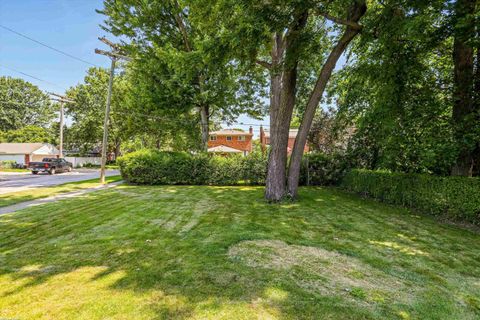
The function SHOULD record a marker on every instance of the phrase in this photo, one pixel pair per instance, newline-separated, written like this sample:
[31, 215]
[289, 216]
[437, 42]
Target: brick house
[229, 141]
[292, 135]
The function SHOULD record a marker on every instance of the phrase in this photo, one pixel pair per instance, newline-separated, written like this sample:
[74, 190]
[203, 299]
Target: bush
[321, 169]
[158, 167]
[456, 198]
[8, 164]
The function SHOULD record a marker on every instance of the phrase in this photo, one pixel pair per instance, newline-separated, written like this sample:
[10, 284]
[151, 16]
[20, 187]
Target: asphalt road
[14, 182]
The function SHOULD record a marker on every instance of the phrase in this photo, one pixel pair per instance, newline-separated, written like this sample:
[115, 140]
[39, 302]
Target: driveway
[14, 182]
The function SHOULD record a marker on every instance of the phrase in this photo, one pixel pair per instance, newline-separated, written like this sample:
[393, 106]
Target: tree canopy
[23, 104]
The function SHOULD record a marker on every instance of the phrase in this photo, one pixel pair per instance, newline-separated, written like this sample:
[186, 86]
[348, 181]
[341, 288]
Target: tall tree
[466, 113]
[355, 11]
[88, 111]
[23, 104]
[162, 34]
[397, 90]
[283, 37]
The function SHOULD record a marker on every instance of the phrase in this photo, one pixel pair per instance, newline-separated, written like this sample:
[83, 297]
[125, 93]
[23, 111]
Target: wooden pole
[61, 129]
[114, 55]
[105, 123]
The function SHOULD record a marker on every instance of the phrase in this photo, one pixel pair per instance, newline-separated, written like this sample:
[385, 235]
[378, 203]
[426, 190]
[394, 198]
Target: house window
[229, 138]
[213, 138]
[241, 138]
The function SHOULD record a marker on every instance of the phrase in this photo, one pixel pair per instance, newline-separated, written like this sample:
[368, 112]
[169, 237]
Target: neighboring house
[24, 153]
[292, 135]
[230, 141]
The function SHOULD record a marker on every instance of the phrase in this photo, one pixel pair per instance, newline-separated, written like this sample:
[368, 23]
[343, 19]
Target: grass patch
[8, 199]
[13, 170]
[181, 252]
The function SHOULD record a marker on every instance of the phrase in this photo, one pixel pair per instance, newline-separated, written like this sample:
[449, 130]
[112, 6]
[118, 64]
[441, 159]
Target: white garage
[24, 153]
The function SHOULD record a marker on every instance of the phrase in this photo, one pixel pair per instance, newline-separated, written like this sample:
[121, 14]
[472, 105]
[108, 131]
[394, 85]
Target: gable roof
[26, 148]
[230, 132]
[223, 149]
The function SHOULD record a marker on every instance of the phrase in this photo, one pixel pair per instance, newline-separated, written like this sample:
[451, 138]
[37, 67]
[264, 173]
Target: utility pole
[115, 54]
[62, 100]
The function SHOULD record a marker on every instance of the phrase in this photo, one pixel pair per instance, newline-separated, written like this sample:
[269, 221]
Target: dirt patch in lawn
[322, 271]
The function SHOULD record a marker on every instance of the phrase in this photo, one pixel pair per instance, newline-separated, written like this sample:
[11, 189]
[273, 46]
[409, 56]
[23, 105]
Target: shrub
[322, 169]
[8, 164]
[159, 167]
[457, 198]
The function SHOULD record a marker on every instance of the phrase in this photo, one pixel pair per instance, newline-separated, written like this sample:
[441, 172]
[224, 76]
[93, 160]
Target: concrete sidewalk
[33, 203]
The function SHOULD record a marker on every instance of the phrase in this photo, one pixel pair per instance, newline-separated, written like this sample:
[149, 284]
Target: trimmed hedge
[160, 167]
[456, 198]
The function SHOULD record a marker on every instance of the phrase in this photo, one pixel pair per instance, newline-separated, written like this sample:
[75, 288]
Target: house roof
[230, 132]
[292, 133]
[223, 149]
[26, 148]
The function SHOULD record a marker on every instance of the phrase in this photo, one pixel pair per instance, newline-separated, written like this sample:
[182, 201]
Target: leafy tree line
[26, 112]
[409, 90]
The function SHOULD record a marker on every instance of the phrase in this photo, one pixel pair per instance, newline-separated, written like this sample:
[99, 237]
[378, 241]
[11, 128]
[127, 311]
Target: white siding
[19, 158]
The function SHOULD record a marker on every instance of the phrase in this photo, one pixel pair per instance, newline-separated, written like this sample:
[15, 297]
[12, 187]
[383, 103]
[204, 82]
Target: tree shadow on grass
[171, 244]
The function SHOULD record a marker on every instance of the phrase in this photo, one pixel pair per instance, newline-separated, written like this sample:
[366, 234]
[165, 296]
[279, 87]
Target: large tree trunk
[275, 182]
[204, 116]
[283, 93]
[357, 10]
[463, 114]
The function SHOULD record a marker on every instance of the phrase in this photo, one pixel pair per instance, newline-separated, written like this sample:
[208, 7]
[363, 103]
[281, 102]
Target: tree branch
[352, 24]
[181, 27]
[265, 64]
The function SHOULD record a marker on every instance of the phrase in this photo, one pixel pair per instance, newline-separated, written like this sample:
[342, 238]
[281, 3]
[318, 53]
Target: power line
[33, 77]
[47, 46]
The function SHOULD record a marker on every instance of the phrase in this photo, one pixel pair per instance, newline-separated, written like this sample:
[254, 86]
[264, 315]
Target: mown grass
[8, 199]
[13, 170]
[179, 252]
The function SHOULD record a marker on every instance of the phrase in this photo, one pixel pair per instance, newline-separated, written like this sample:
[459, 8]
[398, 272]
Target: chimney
[250, 130]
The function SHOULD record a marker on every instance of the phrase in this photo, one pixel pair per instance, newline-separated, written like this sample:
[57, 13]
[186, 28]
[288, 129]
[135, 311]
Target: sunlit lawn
[13, 170]
[223, 253]
[8, 199]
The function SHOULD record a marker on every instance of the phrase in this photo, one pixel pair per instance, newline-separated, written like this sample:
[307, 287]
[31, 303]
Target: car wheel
[34, 172]
[52, 171]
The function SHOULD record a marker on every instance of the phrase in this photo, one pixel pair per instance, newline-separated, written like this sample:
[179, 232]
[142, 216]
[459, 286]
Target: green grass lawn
[184, 252]
[13, 170]
[8, 199]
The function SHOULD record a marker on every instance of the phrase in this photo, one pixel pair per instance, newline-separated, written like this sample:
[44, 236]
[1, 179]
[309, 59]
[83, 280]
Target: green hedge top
[454, 197]
[161, 167]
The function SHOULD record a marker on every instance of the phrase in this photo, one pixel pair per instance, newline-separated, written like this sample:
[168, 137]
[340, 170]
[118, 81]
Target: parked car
[50, 165]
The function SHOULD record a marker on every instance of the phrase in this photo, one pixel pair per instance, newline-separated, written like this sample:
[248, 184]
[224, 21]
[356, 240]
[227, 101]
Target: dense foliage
[23, 104]
[175, 74]
[157, 167]
[451, 197]
[321, 169]
[397, 90]
[28, 134]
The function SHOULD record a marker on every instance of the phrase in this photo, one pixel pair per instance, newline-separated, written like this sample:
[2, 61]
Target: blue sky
[69, 25]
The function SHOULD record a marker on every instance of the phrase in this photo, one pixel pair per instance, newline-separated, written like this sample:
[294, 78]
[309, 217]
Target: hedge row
[157, 167]
[457, 198]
